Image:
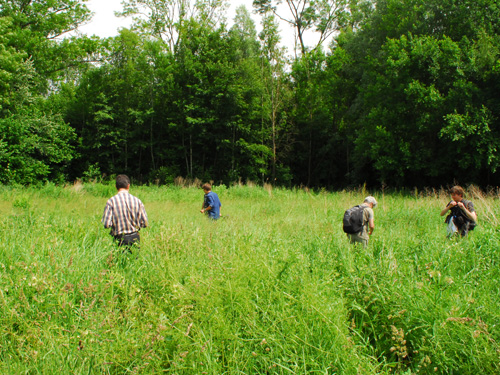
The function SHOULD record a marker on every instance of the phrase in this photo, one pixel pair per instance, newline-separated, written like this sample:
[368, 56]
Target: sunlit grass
[272, 287]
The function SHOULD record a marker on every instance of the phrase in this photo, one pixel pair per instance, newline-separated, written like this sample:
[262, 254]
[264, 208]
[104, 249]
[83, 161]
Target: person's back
[124, 214]
[368, 223]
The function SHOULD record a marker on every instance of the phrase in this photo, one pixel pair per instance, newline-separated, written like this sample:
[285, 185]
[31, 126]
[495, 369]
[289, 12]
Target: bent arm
[208, 202]
[448, 207]
[470, 214]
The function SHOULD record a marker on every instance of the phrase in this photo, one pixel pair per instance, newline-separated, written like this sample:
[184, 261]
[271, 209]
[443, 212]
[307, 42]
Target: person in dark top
[211, 203]
[462, 216]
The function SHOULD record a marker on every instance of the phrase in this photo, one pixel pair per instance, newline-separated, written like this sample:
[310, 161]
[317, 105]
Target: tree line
[395, 93]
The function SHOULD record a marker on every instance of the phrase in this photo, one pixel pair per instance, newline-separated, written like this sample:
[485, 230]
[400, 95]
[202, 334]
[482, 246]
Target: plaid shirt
[124, 214]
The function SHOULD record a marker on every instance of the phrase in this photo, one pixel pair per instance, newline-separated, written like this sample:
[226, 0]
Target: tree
[34, 147]
[117, 108]
[322, 16]
[421, 101]
[313, 119]
[203, 76]
[325, 18]
[249, 137]
[277, 95]
[165, 19]
[244, 33]
[11, 64]
[34, 142]
[38, 26]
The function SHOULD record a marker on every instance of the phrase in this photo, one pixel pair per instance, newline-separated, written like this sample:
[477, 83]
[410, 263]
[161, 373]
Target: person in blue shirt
[211, 203]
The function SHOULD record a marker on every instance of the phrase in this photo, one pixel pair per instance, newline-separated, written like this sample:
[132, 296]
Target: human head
[122, 182]
[457, 190]
[207, 187]
[371, 200]
[457, 193]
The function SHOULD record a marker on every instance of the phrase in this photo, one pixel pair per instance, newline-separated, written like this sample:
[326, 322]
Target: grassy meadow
[271, 288]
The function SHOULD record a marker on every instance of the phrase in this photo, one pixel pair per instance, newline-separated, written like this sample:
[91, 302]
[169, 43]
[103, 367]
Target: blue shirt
[212, 199]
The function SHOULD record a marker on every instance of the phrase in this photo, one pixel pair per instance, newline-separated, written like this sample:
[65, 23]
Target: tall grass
[273, 287]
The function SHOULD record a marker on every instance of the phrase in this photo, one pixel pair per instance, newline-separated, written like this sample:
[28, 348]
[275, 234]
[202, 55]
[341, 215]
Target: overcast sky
[105, 24]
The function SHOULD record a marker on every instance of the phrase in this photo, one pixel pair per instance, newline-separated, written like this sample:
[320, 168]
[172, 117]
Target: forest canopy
[396, 93]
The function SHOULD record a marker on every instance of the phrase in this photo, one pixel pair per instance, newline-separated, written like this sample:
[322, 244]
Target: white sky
[105, 23]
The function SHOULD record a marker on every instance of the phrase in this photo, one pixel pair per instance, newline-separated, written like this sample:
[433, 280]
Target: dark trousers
[128, 240]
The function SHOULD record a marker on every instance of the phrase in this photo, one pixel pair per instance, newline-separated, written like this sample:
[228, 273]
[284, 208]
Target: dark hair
[457, 190]
[122, 181]
[207, 186]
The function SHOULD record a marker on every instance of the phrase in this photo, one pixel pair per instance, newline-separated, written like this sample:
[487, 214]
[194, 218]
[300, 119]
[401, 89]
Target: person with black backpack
[359, 221]
[462, 217]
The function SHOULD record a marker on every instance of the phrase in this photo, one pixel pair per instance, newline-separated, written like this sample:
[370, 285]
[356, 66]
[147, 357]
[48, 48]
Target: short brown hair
[122, 181]
[457, 190]
[207, 186]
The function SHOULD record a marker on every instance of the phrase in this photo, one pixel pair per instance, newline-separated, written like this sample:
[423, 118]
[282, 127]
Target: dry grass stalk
[486, 207]
[268, 188]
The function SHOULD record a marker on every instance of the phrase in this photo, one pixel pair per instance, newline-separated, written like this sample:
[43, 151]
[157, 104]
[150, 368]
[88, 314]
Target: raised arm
[470, 214]
[448, 207]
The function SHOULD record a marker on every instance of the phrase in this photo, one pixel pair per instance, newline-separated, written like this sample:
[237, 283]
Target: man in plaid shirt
[124, 214]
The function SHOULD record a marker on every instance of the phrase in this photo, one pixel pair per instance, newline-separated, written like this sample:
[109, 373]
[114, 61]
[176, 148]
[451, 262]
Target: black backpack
[460, 218]
[353, 220]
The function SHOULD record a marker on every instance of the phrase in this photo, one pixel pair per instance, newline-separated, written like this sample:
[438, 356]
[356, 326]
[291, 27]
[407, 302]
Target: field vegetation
[271, 288]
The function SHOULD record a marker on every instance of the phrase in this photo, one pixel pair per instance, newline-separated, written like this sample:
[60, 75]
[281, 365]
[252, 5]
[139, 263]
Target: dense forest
[396, 93]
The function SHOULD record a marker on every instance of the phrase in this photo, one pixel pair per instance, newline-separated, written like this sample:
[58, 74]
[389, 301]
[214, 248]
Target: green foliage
[190, 112]
[420, 77]
[324, 17]
[276, 99]
[406, 96]
[314, 162]
[167, 18]
[36, 25]
[35, 143]
[32, 145]
[11, 67]
[92, 174]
